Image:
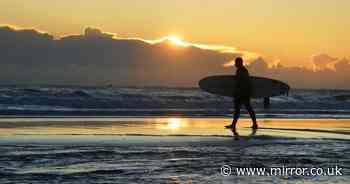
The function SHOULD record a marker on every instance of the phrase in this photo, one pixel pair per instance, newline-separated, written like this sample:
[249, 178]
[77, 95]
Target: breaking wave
[97, 101]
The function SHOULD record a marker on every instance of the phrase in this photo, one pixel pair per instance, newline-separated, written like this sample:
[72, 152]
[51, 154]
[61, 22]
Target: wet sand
[168, 149]
[171, 126]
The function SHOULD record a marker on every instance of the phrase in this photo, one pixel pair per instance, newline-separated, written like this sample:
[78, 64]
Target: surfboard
[261, 87]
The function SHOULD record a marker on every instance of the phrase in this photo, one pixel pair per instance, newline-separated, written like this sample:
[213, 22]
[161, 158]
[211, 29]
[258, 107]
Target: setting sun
[176, 40]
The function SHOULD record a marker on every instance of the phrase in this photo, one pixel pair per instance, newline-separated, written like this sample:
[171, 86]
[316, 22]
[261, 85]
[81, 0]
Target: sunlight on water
[174, 126]
[176, 123]
[171, 123]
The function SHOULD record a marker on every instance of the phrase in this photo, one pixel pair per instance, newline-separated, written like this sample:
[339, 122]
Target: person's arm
[237, 83]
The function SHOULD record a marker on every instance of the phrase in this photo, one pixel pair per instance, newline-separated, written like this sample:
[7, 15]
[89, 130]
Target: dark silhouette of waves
[132, 101]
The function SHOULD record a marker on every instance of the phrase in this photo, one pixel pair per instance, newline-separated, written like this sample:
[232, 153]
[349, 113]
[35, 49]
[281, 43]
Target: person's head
[238, 62]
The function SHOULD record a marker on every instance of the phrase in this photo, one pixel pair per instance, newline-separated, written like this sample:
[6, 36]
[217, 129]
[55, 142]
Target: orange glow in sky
[288, 31]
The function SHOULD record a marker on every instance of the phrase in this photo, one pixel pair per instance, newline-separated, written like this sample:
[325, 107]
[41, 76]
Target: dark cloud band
[97, 58]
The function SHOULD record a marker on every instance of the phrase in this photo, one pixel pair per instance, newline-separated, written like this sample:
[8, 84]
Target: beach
[138, 92]
[168, 149]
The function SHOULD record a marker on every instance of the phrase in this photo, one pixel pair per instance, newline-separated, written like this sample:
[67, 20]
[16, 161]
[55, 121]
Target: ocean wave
[100, 100]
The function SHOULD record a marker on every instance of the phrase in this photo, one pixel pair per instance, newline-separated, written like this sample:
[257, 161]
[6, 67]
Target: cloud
[28, 56]
[258, 66]
[323, 60]
[99, 58]
[302, 77]
[96, 33]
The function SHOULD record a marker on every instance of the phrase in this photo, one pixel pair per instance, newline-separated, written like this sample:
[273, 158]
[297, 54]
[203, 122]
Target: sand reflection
[315, 128]
[171, 123]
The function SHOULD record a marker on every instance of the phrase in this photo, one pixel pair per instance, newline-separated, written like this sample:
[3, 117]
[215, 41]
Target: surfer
[242, 94]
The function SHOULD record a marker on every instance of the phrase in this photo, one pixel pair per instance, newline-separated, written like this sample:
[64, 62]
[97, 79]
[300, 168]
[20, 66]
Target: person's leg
[251, 113]
[237, 107]
[237, 113]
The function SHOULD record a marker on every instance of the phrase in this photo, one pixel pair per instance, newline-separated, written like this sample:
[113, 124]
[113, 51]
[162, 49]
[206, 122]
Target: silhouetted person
[243, 92]
[266, 102]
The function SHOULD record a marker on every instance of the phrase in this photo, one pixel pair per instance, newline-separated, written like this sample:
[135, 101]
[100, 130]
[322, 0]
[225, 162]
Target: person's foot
[231, 126]
[255, 126]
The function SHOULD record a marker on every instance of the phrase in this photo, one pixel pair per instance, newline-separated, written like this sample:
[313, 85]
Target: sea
[163, 101]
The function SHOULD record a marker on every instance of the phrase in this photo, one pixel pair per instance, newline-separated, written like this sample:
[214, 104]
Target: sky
[281, 30]
[127, 42]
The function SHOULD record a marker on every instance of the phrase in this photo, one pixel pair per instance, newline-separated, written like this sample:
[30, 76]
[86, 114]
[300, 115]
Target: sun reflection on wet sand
[174, 126]
[171, 123]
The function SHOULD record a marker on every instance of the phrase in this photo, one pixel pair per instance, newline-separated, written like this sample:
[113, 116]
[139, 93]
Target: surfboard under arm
[224, 85]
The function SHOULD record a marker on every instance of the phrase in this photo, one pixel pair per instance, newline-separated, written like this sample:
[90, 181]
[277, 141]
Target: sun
[176, 40]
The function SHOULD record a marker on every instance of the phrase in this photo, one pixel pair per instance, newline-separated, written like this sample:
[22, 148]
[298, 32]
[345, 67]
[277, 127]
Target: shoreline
[171, 127]
[244, 115]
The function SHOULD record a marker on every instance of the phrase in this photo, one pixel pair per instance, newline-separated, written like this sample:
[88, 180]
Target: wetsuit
[243, 92]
